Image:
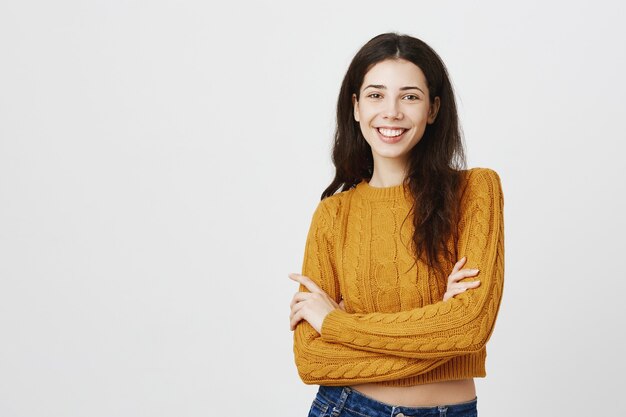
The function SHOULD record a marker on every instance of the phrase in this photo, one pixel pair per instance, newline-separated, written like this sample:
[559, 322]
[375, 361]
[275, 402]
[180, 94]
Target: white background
[160, 162]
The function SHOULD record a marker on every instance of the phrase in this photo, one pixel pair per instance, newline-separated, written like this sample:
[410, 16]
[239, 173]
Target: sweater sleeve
[327, 363]
[460, 325]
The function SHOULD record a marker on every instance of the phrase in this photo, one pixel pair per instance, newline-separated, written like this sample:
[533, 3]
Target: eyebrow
[382, 87]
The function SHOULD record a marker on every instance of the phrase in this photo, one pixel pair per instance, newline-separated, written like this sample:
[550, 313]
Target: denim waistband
[340, 397]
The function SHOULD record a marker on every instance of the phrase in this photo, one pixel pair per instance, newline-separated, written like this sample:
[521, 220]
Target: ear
[434, 109]
[355, 105]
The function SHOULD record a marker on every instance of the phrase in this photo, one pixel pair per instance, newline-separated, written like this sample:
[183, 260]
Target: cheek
[420, 118]
[365, 129]
[365, 124]
[366, 114]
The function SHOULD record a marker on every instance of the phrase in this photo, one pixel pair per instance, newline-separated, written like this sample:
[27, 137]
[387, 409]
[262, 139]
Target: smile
[390, 135]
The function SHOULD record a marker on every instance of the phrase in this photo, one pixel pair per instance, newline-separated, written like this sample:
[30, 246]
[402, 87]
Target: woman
[403, 268]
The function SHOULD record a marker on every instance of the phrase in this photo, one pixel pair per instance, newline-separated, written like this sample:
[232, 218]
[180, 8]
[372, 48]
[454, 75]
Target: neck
[388, 173]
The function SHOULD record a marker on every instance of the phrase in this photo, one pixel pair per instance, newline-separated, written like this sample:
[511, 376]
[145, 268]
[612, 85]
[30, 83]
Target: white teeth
[391, 132]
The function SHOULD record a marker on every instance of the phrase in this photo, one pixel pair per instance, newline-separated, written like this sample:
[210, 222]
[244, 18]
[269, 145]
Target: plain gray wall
[160, 162]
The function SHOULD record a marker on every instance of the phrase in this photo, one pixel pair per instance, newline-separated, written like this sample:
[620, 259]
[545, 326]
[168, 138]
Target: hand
[311, 306]
[455, 287]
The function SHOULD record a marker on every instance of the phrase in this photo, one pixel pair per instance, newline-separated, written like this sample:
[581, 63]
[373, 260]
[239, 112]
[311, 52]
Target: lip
[391, 127]
[394, 139]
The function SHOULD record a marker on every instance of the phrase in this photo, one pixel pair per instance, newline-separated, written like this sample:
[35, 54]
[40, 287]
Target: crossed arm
[355, 347]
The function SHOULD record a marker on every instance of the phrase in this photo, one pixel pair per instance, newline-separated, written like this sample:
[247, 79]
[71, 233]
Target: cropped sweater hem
[460, 367]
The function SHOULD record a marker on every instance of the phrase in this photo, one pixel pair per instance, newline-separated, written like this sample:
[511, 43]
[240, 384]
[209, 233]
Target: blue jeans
[348, 402]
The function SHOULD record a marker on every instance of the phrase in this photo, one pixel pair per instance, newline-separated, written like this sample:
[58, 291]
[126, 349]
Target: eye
[374, 94]
[414, 97]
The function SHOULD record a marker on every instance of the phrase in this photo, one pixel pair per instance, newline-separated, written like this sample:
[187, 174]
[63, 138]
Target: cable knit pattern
[357, 248]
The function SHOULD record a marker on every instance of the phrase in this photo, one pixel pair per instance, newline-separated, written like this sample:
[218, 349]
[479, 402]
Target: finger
[460, 287]
[465, 273]
[470, 272]
[459, 264]
[296, 307]
[452, 292]
[455, 291]
[292, 320]
[457, 276]
[299, 296]
[306, 281]
[457, 267]
[293, 311]
[296, 318]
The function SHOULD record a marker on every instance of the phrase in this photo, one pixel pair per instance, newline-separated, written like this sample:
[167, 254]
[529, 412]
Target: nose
[392, 110]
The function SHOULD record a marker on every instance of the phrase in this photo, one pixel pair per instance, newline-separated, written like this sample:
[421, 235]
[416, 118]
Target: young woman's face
[394, 108]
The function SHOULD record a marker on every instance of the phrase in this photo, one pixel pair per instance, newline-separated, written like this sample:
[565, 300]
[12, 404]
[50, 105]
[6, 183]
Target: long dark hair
[435, 162]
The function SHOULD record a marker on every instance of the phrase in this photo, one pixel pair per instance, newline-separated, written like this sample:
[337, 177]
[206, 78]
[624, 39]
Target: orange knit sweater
[396, 329]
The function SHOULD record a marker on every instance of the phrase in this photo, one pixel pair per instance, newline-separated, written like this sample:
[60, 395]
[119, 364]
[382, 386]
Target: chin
[391, 155]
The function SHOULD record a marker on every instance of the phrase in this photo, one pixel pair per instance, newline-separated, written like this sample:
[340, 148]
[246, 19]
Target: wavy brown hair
[433, 177]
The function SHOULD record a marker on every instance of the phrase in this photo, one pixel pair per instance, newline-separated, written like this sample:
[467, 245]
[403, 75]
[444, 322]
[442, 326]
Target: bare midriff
[433, 394]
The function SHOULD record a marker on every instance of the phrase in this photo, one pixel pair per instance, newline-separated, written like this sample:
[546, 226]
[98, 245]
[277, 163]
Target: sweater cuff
[331, 326]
